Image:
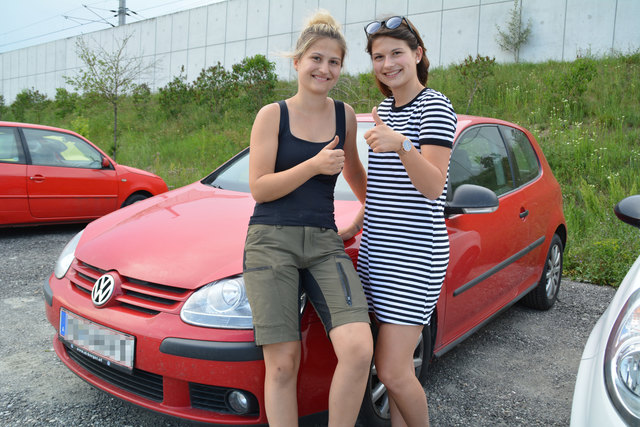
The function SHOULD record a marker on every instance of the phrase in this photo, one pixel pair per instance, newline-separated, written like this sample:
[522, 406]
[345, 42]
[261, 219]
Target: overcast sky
[31, 22]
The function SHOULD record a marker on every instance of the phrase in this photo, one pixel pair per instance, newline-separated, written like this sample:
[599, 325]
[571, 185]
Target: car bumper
[176, 372]
[591, 405]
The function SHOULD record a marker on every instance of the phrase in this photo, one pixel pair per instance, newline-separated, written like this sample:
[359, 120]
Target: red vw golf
[51, 175]
[149, 304]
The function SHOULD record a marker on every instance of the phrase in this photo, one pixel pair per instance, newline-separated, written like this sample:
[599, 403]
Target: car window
[480, 157]
[527, 166]
[10, 147]
[234, 175]
[50, 148]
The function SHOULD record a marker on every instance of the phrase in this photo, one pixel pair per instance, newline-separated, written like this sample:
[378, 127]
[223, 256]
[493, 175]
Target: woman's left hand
[348, 232]
[381, 138]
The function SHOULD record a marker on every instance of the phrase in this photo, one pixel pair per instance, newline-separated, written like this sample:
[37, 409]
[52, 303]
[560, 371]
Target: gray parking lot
[519, 370]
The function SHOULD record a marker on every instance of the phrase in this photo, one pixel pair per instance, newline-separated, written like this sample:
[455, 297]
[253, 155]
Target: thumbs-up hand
[376, 117]
[330, 161]
[381, 138]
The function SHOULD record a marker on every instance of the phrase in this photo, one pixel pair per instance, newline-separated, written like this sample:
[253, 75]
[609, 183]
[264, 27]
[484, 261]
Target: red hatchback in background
[51, 175]
[149, 303]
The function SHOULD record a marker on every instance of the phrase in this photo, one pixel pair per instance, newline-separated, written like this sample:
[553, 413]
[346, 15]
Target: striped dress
[404, 250]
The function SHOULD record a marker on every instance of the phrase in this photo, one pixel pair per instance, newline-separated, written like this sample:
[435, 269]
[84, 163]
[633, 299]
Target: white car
[607, 391]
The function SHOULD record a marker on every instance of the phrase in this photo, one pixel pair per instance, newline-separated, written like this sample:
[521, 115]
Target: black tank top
[311, 204]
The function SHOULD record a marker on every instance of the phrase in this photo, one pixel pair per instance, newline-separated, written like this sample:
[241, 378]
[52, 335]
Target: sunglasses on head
[391, 23]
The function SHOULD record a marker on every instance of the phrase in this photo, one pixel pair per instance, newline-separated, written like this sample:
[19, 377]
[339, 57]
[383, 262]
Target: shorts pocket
[350, 282]
[261, 293]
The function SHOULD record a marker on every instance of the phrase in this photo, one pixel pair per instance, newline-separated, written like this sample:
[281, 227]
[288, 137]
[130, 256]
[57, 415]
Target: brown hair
[320, 25]
[413, 39]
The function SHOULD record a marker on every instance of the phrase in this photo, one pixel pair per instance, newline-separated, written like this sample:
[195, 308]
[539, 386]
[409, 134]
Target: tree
[517, 34]
[29, 100]
[109, 75]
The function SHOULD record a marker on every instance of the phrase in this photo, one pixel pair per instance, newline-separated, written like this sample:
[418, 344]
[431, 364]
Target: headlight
[220, 304]
[66, 257]
[622, 361]
[223, 304]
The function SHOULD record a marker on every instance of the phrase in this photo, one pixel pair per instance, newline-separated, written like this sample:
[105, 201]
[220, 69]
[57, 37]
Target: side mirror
[471, 199]
[628, 210]
[106, 164]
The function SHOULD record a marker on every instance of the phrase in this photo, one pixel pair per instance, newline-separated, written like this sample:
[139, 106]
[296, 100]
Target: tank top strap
[341, 126]
[284, 118]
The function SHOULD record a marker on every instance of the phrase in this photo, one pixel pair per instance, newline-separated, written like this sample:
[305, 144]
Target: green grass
[584, 114]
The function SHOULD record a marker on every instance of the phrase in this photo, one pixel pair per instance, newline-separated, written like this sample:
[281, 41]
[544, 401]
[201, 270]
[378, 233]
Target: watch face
[406, 145]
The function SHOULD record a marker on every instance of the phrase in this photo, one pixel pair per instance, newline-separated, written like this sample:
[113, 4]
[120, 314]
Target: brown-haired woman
[404, 249]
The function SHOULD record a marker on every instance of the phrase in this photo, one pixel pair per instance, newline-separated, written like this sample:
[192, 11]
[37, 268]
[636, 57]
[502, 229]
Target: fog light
[240, 402]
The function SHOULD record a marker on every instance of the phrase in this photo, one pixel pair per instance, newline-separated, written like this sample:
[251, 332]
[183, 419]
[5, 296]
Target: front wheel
[375, 405]
[133, 199]
[544, 295]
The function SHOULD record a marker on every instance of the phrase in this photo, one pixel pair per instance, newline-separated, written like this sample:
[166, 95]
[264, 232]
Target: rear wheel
[544, 295]
[375, 405]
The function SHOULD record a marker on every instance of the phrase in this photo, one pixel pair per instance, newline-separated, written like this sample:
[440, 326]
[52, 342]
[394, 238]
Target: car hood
[129, 169]
[184, 238]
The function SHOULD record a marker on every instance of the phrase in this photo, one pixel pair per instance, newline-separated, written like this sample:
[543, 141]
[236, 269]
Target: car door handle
[37, 178]
[524, 214]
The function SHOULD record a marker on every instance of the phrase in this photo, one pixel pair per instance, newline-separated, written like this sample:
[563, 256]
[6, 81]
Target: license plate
[102, 344]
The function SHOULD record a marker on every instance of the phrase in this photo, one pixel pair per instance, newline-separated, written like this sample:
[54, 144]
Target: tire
[545, 294]
[374, 411]
[133, 199]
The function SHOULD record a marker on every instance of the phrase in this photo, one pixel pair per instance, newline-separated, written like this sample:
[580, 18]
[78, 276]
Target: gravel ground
[517, 371]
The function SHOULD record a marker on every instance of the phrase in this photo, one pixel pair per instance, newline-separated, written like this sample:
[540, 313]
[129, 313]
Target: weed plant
[584, 114]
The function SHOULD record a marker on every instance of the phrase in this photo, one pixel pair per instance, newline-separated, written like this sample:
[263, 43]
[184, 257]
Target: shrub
[214, 87]
[175, 95]
[141, 97]
[257, 79]
[3, 108]
[473, 71]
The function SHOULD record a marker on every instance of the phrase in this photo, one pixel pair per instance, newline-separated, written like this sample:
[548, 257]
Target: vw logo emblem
[102, 290]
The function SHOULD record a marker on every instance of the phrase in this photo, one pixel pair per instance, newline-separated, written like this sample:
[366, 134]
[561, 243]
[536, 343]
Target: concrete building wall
[226, 32]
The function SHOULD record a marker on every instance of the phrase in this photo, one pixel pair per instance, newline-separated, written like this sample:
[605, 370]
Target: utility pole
[122, 12]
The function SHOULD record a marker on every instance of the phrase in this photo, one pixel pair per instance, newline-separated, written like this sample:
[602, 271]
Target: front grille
[212, 398]
[138, 295]
[208, 397]
[141, 383]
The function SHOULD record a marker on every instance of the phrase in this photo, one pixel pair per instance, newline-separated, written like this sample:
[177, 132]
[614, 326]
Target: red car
[149, 304]
[51, 175]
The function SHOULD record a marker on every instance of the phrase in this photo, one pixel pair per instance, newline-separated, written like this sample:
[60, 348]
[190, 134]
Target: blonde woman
[298, 148]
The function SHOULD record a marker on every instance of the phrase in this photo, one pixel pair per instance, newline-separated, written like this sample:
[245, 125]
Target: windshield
[234, 175]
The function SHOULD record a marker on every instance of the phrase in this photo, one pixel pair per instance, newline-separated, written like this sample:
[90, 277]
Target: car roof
[40, 127]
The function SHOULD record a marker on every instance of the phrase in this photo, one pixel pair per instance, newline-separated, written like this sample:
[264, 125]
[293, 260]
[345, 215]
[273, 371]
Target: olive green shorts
[280, 262]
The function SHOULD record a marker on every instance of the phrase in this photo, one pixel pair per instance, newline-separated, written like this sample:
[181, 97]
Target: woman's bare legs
[353, 346]
[394, 362]
[282, 361]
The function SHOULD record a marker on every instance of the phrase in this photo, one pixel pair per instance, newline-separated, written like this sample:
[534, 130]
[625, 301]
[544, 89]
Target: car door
[66, 178]
[535, 211]
[14, 206]
[485, 266]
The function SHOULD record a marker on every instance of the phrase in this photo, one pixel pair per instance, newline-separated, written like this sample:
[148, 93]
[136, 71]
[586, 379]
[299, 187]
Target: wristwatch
[407, 145]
